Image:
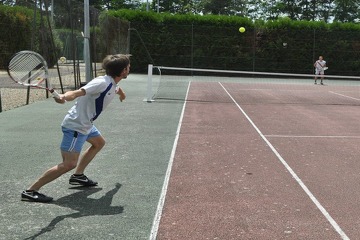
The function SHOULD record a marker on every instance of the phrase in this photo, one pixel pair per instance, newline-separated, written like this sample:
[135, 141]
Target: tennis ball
[241, 29]
[63, 59]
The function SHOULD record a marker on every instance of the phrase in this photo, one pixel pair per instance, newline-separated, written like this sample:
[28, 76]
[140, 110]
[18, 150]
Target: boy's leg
[78, 178]
[69, 162]
[322, 78]
[32, 194]
[97, 143]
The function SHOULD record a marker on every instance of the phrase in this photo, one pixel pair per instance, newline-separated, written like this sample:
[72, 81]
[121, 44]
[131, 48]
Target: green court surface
[130, 169]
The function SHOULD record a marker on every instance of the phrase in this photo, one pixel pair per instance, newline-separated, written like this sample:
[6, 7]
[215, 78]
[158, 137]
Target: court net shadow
[84, 206]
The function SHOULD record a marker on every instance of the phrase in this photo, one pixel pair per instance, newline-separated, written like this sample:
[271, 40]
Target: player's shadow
[84, 206]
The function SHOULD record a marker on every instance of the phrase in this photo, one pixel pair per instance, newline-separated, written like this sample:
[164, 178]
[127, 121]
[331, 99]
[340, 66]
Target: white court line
[156, 221]
[299, 136]
[346, 96]
[293, 174]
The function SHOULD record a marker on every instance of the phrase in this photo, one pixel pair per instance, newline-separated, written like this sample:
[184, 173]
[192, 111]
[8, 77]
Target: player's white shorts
[319, 71]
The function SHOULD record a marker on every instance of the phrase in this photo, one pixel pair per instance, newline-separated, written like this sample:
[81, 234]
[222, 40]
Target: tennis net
[171, 83]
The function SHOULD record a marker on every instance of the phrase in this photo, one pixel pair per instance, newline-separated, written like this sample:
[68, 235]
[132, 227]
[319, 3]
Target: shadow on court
[140, 137]
[84, 206]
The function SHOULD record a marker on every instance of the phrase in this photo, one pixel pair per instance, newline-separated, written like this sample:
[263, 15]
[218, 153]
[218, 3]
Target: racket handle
[55, 94]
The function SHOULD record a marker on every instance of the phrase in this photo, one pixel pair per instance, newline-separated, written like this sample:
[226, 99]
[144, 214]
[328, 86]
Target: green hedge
[213, 41]
[17, 34]
[15, 28]
[209, 41]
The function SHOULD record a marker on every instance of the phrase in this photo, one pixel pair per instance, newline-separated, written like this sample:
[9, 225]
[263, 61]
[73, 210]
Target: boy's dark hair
[115, 64]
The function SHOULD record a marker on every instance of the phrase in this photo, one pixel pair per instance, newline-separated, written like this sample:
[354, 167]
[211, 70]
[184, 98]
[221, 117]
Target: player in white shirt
[78, 127]
[99, 93]
[319, 66]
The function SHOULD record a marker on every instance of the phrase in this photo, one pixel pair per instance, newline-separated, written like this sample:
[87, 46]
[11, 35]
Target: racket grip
[55, 94]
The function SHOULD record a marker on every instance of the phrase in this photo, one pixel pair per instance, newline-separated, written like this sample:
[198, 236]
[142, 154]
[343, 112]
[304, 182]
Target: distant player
[319, 66]
[78, 127]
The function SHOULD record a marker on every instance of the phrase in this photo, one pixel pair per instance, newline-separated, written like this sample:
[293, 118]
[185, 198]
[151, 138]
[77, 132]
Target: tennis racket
[325, 68]
[30, 69]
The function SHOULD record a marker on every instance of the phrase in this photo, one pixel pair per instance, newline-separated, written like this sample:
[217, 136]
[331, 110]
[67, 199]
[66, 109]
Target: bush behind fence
[188, 40]
[279, 48]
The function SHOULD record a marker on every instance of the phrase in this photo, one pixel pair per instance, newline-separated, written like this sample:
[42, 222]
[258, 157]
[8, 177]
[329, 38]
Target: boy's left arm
[121, 93]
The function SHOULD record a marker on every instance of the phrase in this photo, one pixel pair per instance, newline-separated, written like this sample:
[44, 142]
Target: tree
[289, 8]
[184, 6]
[315, 10]
[120, 4]
[7, 2]
[220, 7]
[68, 14]
[98, 4]
[263, 9]
[178, 6]
[325, 10]
[238, 7]
[311, 10]
[347, 10]
[308, 9]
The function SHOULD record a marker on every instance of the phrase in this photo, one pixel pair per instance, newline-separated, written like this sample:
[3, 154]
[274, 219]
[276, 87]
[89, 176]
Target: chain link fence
[58, 36]
[260, 50]
[173, 44]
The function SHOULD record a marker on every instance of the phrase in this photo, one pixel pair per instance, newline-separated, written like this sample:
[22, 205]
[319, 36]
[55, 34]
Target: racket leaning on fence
[30, 69]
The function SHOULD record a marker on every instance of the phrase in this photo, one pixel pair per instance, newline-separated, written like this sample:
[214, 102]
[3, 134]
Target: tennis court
[265, 161]
[249, 159]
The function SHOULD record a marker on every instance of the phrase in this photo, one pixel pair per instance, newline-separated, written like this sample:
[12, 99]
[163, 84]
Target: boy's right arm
[70, 95]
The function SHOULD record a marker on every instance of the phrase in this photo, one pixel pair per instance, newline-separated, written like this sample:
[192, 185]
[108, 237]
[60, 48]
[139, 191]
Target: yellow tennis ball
[63, 59]
[241, 29]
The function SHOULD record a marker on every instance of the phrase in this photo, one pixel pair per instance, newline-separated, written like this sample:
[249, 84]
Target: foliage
[347, 11]
[281, 35]
[20, 31]
[311, 10]
[213, 41]
[15, 31]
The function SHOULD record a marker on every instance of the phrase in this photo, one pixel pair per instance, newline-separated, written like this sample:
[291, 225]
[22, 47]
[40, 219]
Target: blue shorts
[73, 141]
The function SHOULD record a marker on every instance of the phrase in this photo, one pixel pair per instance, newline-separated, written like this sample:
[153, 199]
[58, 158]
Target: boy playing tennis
[319, 69]
[78, 127]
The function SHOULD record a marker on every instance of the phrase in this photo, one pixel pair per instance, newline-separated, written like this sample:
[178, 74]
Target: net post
[0, 102]
[149, 84]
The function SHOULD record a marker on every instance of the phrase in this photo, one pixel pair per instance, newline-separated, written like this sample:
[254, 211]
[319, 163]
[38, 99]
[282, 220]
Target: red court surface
[265, 162]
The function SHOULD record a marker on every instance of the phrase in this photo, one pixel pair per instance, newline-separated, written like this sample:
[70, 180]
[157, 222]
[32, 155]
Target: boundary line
[291, 171]
[158, 214]
[358, 99]
[299, 136]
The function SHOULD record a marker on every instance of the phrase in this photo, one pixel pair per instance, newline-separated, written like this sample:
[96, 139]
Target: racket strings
[27, 69]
